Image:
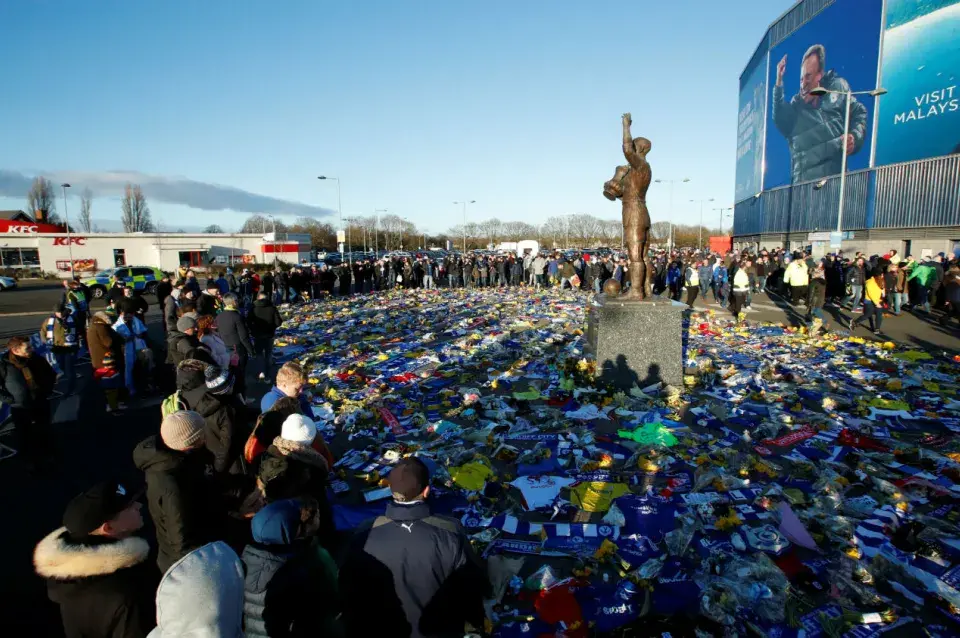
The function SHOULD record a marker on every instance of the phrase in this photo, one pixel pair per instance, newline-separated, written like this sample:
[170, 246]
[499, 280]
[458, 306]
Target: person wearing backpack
[59, 332]
[223, 415]
[290, 587]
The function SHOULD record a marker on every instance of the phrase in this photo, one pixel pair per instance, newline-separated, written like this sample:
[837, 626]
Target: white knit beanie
[182, 430]
[299, 429]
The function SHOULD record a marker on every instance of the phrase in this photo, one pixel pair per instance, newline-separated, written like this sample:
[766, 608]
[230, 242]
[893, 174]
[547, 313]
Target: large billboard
[920, 115]
[750, 124]
[837, 50]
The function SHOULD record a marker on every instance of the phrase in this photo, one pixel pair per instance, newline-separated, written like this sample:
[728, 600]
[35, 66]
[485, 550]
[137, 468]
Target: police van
[142, 279]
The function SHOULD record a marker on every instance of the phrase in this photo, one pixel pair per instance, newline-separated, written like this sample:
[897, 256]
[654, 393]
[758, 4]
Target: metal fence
[913, 195]
[925, 193]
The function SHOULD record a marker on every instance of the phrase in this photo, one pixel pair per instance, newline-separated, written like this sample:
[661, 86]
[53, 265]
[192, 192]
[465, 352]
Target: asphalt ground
[24, 308]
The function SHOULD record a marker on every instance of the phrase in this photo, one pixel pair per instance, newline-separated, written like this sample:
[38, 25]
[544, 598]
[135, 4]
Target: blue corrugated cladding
[925, 193]
[917, 194]
[804, 207]
[748, 217]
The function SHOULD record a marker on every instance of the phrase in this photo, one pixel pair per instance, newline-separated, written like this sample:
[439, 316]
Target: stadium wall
[909, 205]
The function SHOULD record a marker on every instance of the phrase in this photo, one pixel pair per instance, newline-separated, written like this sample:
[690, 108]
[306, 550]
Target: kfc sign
[22, 228]
[74, 241]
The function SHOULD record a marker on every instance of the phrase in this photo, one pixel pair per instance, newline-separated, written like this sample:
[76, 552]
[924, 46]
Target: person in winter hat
[292, 468]
[96, 566]
[178, 494]
[224, 416]
[291, 582]
[202, 595]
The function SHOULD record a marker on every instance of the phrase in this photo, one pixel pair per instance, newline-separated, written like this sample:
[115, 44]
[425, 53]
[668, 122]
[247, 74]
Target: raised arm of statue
[628, 150]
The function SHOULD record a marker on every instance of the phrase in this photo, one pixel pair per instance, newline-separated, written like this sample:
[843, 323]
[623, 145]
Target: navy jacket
[416, 572]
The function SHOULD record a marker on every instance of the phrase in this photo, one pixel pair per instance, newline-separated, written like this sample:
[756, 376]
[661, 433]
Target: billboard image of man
[812, 125]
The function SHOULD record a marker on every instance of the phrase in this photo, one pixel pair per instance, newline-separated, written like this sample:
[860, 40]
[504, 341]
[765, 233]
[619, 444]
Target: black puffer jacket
[233, 331]
[104, 587]
[263, 319]
[181, 347]
[226, 431]
[178, 497]
[289, 589]
[420, 570]
[14, 390]
[815, 133]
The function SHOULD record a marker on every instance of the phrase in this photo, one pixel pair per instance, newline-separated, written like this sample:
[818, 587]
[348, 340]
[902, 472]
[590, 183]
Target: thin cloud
[171, 190]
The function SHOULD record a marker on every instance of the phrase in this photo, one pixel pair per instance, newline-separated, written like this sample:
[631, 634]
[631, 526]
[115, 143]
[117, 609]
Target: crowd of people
[473, 270]
[245, 538]
[245, 542]
[867, 285]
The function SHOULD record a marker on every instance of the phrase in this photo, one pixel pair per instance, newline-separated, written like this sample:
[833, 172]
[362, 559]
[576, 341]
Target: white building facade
[25, 250]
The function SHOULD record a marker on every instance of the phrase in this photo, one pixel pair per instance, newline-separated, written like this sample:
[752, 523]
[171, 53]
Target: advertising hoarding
[837, 50]
[750, 127]
[920, 115]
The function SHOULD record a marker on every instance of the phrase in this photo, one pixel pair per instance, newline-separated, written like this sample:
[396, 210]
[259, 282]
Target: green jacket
[925, 273]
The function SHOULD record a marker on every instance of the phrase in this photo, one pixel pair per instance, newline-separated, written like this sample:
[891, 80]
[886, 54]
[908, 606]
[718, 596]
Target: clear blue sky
[412, 104]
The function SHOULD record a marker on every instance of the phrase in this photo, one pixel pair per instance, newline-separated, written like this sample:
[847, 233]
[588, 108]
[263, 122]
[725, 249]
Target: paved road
[913, 329]
[23, 310]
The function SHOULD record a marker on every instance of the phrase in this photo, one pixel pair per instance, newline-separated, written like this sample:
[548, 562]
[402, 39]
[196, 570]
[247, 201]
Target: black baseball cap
[408, 478]
[99, 504]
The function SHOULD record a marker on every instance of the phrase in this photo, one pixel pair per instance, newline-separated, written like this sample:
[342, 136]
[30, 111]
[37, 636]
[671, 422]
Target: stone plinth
[637, 342]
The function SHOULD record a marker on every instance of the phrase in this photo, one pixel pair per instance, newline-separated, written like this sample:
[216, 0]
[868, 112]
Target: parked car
[6, 283]
[142, 279]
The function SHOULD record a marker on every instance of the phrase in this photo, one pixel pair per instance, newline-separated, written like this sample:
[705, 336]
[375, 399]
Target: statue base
[637, 343]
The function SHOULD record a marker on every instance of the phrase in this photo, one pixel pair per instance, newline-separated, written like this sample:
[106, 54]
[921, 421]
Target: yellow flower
[727, 523]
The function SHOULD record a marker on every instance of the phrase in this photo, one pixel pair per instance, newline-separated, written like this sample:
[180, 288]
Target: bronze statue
[630, 184]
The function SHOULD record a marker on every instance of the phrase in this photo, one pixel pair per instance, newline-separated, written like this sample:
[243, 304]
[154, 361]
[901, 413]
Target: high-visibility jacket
[741, 281]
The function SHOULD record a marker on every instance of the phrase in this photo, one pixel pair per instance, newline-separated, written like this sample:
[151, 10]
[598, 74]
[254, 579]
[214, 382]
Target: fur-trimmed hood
[59, 558]
[300, 452]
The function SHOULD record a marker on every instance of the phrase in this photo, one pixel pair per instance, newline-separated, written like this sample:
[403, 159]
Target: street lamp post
[339, 209]
[66, 218]
[671, 182]
[465, 202]
[700, 231]
[722, 211]
[848, 94]
[376, 230]
[274, 220]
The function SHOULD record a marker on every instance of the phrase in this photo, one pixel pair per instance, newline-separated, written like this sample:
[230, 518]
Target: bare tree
[492, 228]
[555, 229]
[84, 219]
[584, 230]
[660, 231]
[259, 225]
[42, 201]
[135, 214]
[213, 229]
[322, 234]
